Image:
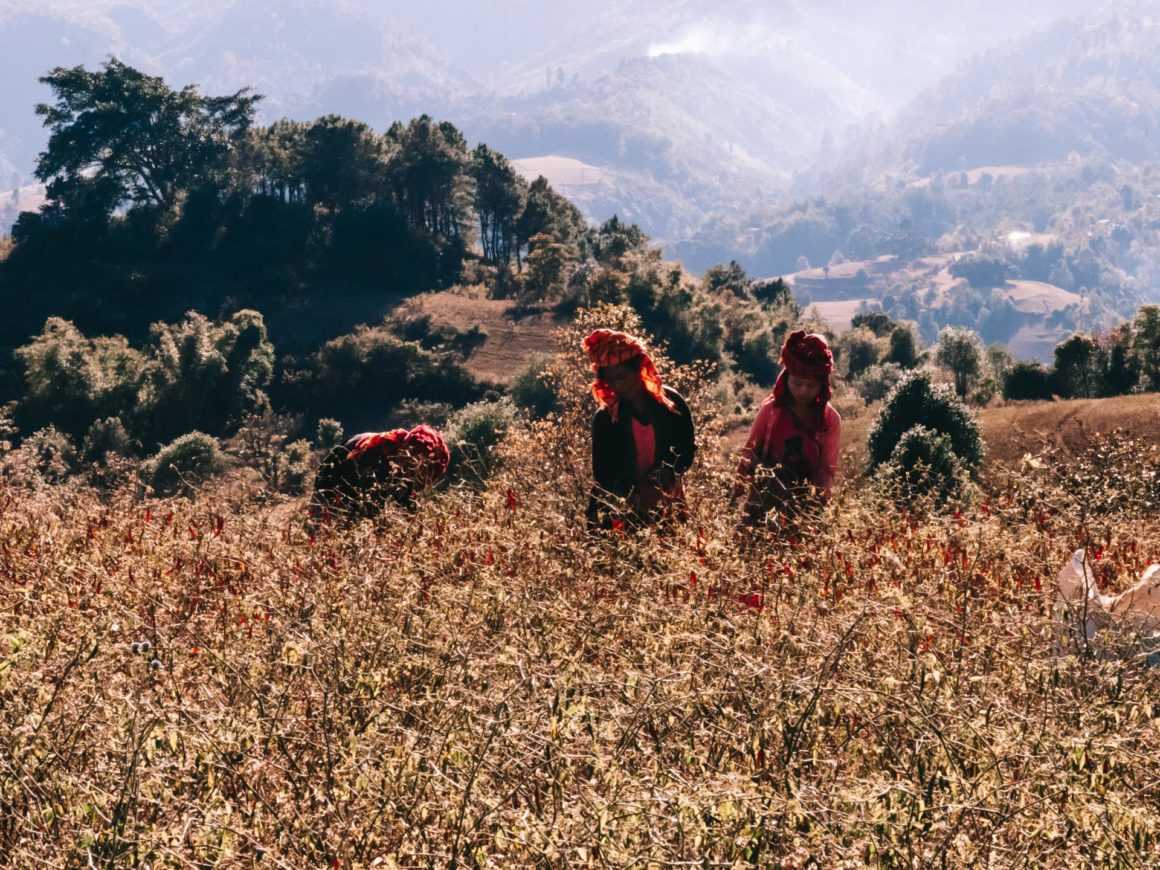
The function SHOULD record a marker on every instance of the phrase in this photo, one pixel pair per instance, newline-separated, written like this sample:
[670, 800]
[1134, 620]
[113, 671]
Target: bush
[474, 436]
[104, 437]
[858, 349]
[876, 382]
[533, 390]
[71, 380]
[184, 463]
[328, 434]
[1027, 381]
[373, 371]
[196, 374]
[8, 429]
[922, 465]
[411, 412]
[756, 354]
[918, 401]
[263, 444]
[296, 467]
[46, 457]
[209, 375]
[903, 347]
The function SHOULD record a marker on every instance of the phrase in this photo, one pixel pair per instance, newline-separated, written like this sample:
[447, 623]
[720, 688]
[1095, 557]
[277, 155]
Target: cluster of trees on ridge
[157, 195]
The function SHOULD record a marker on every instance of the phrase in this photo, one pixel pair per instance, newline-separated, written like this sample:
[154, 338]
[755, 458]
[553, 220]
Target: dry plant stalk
[201, 683]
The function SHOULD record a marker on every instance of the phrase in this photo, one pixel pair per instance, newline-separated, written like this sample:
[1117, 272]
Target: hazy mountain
[1088, 87]
[27, 38]
[687, 106]
[301, 52]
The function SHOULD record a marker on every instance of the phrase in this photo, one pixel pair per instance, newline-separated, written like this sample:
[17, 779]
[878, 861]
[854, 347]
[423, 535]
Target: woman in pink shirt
[792, 451]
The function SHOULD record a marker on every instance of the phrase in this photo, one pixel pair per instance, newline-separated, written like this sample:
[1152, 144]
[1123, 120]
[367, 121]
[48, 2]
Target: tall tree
[1075, 367]
[546, 212]
[903, 346]
[429, 177]
[1146, 344]
[1121, 373]
[342, 162]
[274, 156]
[133, 134]
[961, 351]
[499, 197]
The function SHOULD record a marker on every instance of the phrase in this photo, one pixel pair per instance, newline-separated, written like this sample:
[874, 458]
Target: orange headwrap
[605, 347]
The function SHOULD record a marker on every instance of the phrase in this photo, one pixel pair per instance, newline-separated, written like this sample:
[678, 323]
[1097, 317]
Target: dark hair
[783, 397]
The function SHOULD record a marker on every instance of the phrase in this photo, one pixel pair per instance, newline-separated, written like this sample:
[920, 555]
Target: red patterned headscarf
[805, 355]
[422, 450]
[605, 347]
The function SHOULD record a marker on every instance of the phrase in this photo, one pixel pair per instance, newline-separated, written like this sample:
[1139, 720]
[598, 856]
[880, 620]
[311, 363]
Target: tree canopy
[133, 137]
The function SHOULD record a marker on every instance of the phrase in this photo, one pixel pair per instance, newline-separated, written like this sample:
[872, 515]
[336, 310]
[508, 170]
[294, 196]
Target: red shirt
[778, 435]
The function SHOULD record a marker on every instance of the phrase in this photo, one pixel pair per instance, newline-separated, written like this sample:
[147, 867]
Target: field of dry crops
[205, 683]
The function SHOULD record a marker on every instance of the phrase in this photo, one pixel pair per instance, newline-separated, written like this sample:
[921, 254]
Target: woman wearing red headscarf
[642, 435]
[792, 451]
[358, 478]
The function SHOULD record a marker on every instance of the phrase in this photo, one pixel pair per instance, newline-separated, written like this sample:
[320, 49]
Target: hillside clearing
[513, 342]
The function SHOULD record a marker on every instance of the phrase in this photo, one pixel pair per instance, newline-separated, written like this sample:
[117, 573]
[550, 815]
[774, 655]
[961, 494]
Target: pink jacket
[774, 427]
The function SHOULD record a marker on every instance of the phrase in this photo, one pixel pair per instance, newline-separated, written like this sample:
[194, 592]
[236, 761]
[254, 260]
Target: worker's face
[804, 390]
[624, 378]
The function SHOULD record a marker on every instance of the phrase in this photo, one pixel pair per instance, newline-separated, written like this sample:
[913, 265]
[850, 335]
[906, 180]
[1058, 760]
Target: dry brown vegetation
[486, 684]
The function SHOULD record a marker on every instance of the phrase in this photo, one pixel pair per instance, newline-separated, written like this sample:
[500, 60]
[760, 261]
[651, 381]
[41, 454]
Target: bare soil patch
[513, 340]
[561, 172]
[1038, 297]
[839, 314]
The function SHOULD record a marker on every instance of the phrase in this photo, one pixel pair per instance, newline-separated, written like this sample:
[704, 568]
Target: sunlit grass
[203, 683]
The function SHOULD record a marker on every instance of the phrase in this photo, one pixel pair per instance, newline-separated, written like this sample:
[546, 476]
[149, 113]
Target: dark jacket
[614, 452]
[360, 486]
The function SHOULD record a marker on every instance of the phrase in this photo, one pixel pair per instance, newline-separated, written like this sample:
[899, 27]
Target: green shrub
[328, 434]
[46, 456]
[903, 347]
[922, 465]
[756, 354]
[362, 376]
[411, 412]
[185, 463]
[1027, 381]
[196, 374]
[534, 391]
[474, 436]
[876, 382]
[9, 432]
[296, 467]
[106, 436]
[917, 401]
[208, 376]
[71, 381]
[857, 349]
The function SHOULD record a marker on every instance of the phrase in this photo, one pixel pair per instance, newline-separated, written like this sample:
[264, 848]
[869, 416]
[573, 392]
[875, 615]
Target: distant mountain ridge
[1086, 86]
[689, 106]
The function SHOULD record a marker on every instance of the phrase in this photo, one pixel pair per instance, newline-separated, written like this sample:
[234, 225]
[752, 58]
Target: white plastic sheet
[1105, 624]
